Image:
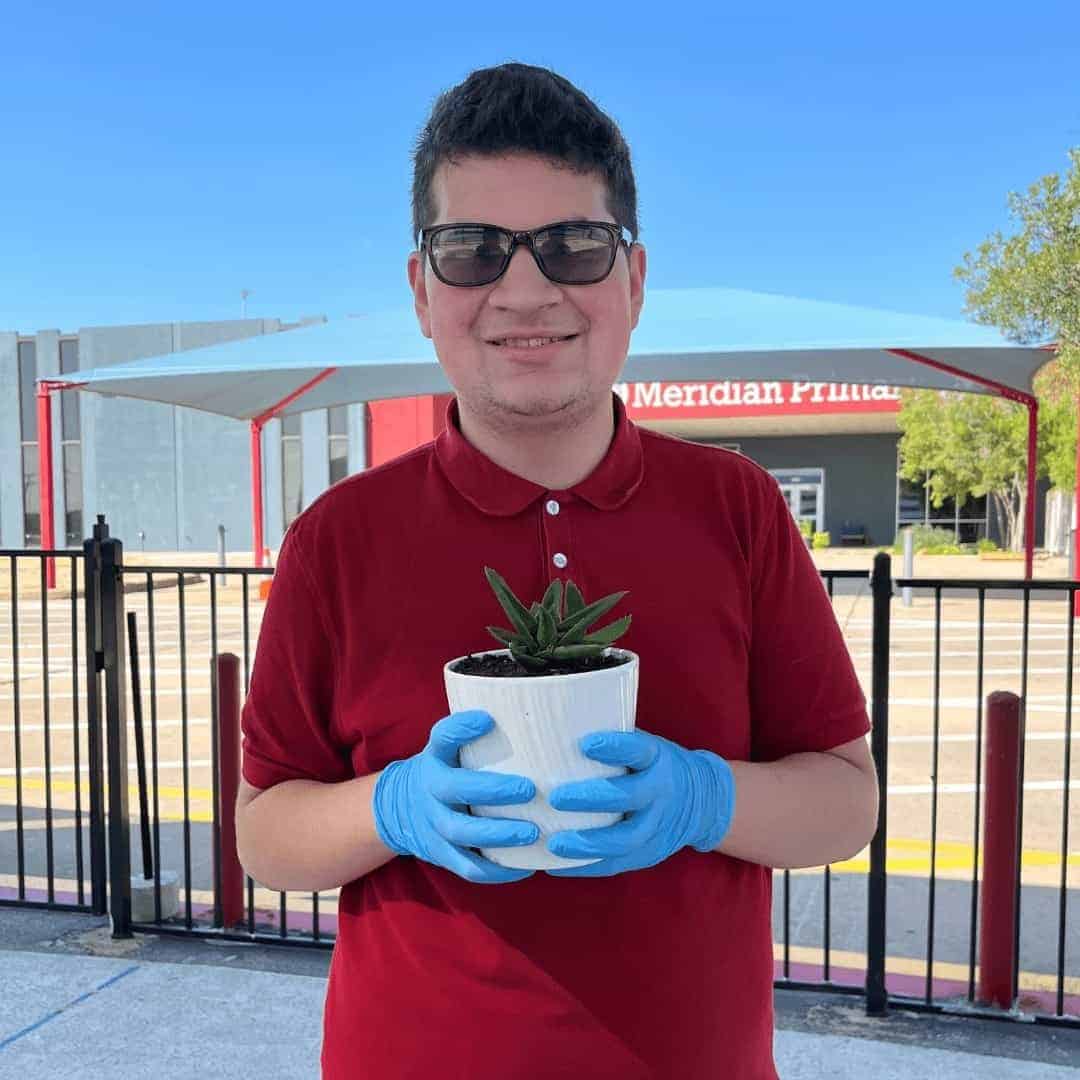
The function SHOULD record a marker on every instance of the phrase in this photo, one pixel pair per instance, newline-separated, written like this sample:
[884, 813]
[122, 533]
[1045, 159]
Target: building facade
[168, 477]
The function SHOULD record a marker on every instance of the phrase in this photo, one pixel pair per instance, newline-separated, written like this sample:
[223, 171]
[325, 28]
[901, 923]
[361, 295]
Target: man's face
[514, 386]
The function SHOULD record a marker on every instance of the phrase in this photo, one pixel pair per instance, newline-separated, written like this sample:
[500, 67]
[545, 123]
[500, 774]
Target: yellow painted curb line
[903, 856]
[905, 965]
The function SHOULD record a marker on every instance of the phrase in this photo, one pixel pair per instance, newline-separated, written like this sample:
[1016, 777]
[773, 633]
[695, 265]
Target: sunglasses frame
[526, 238]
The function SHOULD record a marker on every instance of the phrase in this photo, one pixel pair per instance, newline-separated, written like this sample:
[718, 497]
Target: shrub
[985, 544]
[924, 537]
[806, 527]
[821, 540]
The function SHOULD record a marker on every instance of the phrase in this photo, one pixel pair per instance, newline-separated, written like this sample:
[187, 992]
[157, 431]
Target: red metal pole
[45, 479]
[256, 491]
[232, 874]
[1001, 849]
[1029, 522]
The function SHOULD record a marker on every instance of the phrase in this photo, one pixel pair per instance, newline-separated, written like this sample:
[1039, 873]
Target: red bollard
[232, 874]
[1000, 849]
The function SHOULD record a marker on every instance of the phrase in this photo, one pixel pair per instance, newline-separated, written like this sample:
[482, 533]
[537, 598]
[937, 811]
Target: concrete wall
[170, 474]
[11, 508]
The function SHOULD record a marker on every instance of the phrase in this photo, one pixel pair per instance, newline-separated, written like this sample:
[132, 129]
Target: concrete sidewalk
[167, 1007]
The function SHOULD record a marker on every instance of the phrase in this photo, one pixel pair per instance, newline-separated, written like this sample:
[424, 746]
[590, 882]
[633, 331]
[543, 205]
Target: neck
[555, 456]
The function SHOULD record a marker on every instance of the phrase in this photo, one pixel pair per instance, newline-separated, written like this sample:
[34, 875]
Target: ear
[418, 284]
[637, 282]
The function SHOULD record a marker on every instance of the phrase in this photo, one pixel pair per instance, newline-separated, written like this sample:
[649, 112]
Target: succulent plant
[554, 629]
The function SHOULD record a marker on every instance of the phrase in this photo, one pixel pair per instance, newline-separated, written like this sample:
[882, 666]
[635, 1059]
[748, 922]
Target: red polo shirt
[658, 973]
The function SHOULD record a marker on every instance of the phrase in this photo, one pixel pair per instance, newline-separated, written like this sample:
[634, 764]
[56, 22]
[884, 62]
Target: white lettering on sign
[731, 394]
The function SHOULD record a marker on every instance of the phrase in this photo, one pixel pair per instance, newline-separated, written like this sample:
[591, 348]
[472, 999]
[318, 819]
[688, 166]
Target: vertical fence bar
[95, 664]
[112, 642]
[826, 932]
[1026, 647]
[1063, 892]
[20, 827]
[881, 583]
[935, 748]
[50, 861]
[215, 755]
[246, 620]
[79, 865]
[184, 755]
[974, 916]
[151, 636]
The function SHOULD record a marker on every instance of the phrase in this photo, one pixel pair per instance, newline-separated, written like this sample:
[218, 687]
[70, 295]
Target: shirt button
[552, 507]
[559, 559]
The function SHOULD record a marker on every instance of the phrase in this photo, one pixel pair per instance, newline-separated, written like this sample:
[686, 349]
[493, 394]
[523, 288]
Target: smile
[530, 343]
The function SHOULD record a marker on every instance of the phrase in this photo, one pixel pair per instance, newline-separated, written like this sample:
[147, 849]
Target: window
[339, 442]
[292, 468]
[27, 356]
[71, 447]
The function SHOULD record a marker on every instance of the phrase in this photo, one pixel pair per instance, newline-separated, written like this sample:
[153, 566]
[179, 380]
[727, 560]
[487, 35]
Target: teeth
[529, 343]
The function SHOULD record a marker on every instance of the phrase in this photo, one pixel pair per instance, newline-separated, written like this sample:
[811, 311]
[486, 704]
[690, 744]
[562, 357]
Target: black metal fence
[894, 927]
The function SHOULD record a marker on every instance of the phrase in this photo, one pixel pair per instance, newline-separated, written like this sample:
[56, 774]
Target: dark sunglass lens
[471, 255]
[576, 253]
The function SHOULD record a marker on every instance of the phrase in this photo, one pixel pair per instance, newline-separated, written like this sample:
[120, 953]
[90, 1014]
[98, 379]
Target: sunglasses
[568, 252]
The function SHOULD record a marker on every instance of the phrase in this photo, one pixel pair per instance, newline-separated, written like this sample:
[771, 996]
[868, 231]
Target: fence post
[881, 583]
[95, 663]
[229, 879]
[1000, 849]
[112, 647]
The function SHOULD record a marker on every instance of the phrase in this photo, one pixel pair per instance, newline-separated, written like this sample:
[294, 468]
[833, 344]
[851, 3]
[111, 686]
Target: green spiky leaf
[575, 602]
[546, 633]
[576, 652]
[591, 612]
[515, 610]
[553, 599]
[499, 634]
[528, 661]
[609, 633]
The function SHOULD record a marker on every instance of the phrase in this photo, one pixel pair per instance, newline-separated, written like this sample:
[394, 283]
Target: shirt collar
[496, 491]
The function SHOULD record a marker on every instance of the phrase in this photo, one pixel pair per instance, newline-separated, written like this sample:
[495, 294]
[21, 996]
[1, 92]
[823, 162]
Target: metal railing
[872, 941]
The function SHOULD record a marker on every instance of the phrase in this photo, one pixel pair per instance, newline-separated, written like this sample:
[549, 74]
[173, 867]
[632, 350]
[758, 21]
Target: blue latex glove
[672, 798]
[420, 804]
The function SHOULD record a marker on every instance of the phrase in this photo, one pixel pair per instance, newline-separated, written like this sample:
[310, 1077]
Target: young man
[655, 960]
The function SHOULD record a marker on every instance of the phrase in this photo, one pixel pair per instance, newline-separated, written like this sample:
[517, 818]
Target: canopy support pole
[1029, 522]
[257, 424]
[256, 491]
[1033, 436]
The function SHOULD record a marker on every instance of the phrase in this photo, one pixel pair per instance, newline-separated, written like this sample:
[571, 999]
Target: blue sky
[160, 158]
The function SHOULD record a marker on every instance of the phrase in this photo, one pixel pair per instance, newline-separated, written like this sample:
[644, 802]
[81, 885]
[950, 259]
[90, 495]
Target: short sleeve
[286, 717]
[804, 693]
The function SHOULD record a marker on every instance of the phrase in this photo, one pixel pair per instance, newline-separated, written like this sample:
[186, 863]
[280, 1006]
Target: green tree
[965, 445]
[1028, 284]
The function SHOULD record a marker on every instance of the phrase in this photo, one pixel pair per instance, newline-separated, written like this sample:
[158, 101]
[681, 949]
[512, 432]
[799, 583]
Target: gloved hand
[673, 797]
[420, 804]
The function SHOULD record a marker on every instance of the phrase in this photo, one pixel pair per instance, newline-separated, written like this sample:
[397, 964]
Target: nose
[523, 287]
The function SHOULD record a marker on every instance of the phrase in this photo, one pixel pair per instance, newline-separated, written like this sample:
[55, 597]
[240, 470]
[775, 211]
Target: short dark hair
[517, 108]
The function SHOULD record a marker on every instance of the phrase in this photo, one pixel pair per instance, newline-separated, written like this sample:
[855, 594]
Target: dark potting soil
[506, 667]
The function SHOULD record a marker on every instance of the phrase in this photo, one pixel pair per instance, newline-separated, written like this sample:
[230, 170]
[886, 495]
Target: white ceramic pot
[538, 721]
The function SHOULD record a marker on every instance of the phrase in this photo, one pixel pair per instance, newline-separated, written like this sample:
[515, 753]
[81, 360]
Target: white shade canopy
[683, 335]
